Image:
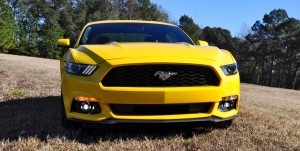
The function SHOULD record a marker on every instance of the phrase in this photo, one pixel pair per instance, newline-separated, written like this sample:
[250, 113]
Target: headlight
[79, 69]
[230, 69]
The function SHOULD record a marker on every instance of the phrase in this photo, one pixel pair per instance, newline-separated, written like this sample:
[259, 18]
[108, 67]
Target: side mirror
[63, 43]
[202, 43]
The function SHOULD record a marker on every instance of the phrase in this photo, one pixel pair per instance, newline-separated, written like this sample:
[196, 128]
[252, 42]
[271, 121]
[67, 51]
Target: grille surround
[143, 76]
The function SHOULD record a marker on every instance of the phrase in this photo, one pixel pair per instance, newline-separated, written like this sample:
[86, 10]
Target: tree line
[267, 54]
[31, 27]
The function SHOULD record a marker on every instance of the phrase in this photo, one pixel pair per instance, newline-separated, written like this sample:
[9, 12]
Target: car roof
[129, 21]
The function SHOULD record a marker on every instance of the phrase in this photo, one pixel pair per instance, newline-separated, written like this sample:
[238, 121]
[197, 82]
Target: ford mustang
[126, 71]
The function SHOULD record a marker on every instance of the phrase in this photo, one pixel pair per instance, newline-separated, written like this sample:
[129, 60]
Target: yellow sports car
[128, 71]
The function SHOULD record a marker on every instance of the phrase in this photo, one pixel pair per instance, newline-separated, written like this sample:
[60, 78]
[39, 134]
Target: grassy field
[269, 118]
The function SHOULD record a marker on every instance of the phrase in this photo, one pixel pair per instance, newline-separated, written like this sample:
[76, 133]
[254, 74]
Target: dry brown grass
[269, 118]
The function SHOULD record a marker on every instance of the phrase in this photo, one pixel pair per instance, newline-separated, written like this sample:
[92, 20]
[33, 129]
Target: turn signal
[85, 99]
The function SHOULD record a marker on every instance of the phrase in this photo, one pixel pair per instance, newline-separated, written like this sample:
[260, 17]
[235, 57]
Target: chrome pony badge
[164, 75]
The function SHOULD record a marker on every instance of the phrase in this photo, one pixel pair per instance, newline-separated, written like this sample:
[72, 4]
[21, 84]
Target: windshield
[132, 32]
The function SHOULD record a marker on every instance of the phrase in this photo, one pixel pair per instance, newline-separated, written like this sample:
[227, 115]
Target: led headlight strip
[89, 70]
[79, 69]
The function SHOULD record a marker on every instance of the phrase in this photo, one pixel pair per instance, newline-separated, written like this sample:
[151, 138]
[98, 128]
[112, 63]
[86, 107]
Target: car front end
[149, 83]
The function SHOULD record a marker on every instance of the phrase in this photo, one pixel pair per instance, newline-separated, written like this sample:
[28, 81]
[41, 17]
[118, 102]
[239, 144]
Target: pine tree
[7, 27]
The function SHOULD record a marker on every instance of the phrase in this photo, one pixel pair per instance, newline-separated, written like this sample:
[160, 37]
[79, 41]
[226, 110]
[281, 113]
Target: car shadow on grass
[40, 118]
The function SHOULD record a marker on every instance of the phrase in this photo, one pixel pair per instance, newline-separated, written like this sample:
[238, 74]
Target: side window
[85, 36]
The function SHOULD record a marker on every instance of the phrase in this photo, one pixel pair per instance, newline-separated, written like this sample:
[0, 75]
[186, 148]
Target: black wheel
[64, 121]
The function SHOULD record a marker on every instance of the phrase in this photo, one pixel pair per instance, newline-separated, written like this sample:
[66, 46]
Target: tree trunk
[271, 71]
[294, 77]
[262, 78]
[251, 73]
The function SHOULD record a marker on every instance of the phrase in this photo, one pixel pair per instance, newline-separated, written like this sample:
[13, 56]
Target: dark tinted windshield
[132, 32]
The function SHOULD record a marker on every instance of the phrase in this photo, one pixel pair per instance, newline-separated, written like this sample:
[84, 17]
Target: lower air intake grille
[159, 109]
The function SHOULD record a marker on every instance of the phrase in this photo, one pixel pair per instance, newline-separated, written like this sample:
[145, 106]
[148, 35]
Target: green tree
[96, 10]
[7, 27]
[50, 29]
[150, 11]
[187, 24]
[27, 18]
[138, 10]
[274, 49]
[218, 37]
[68, 19]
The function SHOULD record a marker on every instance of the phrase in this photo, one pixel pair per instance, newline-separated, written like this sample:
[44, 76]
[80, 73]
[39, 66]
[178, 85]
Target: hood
[100, 53]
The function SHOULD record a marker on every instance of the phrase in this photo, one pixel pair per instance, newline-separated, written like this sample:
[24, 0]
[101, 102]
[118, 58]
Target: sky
[233, 15]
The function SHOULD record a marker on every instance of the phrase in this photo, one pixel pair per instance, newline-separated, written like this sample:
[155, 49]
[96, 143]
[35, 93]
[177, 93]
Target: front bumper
[121, 121]
[73, 86]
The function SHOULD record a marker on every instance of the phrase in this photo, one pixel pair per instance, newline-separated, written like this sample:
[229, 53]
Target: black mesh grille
[159, 109]
[143, 76]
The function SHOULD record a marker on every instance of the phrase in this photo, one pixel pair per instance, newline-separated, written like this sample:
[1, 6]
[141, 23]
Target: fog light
[226, 106]
[228, 103]
[86, 107]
